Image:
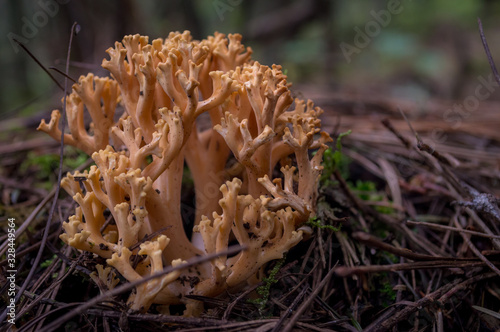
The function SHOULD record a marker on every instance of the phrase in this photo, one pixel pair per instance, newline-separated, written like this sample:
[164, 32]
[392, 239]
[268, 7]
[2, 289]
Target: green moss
[367, 191]
[44, 167]
[48, 262]
[386, 288]
[333, 160]
[316, 223]
[265, 289]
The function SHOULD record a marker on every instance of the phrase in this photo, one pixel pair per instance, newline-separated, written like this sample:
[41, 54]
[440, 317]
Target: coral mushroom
[166, 88]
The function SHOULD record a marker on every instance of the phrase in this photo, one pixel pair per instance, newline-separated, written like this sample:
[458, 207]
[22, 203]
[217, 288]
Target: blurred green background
[422, 49]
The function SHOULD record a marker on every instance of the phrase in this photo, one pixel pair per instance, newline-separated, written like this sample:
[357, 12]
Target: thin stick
[63, 73]
[345, 271]
[289, 310]
[374, 242]
[149, 237]
[230, 307]
[295, 303]
[422, 146]
[475, 250]
[193, 321]
[391, 128]
[463, 285]
[449, 228]
[289, 326]
[409, 125]
[487, 50]
[39, 63]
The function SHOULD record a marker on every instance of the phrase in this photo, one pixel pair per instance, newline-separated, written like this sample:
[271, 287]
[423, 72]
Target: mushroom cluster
[255, 176]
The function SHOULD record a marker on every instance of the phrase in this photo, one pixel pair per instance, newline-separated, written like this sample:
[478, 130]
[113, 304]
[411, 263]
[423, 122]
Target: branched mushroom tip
[148, 120]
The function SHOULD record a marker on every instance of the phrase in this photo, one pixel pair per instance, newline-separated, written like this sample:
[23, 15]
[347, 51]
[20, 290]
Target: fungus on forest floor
[164, 86]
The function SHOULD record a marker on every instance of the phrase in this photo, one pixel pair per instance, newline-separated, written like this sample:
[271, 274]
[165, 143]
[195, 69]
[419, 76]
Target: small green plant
[333, 160]
[44, 167]
[388, 290]
[314, 222]
[48, 262]
[74, 158]
[45, 164]
[265, 289]
[367, 191]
